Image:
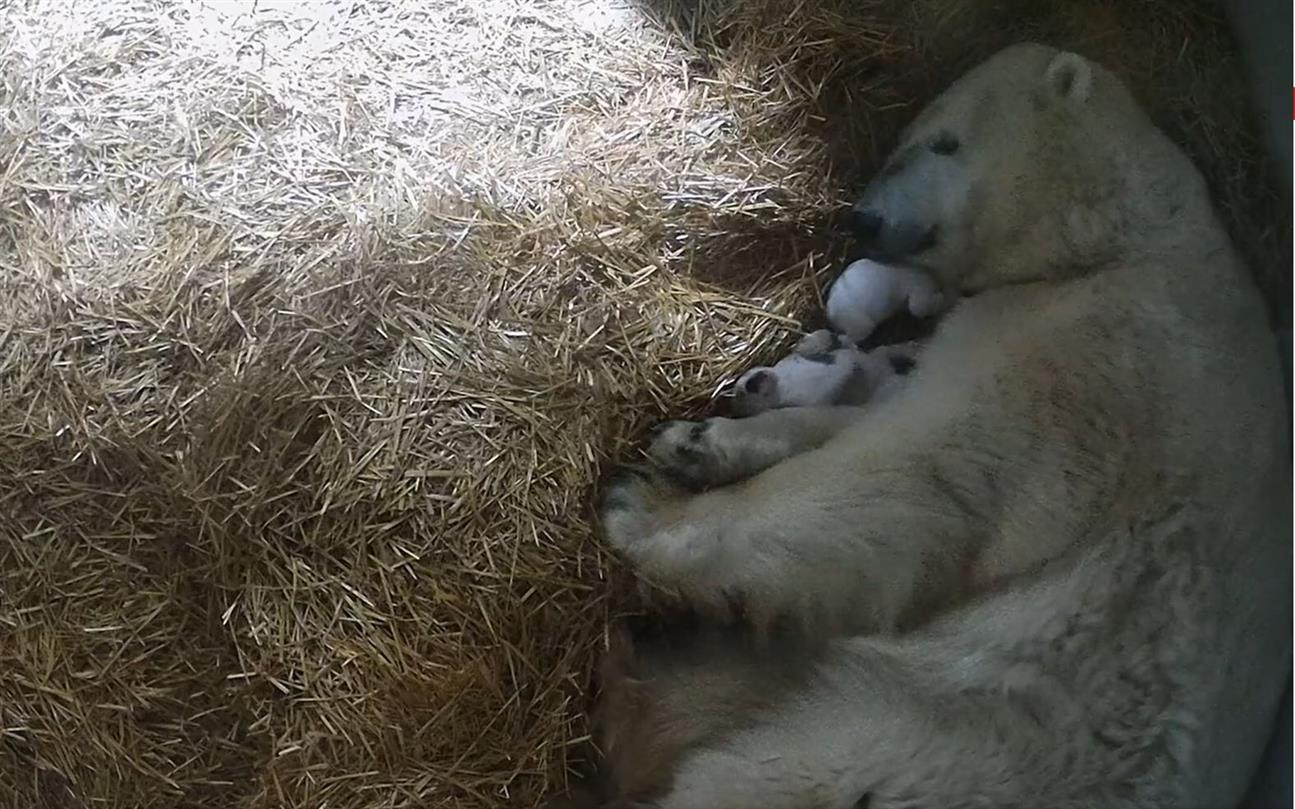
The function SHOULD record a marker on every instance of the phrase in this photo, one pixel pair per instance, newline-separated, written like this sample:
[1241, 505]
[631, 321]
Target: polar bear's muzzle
[890, 238]
[916, 209]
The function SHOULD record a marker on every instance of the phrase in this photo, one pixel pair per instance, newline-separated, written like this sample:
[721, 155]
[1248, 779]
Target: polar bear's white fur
[1054, 568]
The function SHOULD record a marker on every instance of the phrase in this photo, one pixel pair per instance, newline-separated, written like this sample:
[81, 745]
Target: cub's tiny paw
[684, 451]
[823, 341]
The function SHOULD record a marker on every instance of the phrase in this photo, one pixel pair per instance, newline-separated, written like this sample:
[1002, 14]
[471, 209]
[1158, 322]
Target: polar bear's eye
[945, 143]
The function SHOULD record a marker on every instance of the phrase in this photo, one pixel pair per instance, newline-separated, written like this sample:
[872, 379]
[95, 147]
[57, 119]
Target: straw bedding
[319, 319]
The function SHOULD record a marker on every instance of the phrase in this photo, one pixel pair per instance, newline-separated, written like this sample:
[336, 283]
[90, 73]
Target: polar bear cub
[827, 367]
[868, 292]
[824, 368]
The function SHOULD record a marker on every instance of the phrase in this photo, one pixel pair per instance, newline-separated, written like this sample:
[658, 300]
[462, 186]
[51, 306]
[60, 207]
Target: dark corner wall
[1263, 30]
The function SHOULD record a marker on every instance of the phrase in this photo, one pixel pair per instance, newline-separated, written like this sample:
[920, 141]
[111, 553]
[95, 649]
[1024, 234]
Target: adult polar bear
[1061, 550]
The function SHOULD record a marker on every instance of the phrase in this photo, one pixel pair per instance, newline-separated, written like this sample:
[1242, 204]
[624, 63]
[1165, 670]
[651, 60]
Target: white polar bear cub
[823, 369]
[868, 292]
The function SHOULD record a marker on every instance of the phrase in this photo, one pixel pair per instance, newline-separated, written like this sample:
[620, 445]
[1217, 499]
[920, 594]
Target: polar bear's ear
[1069, 76]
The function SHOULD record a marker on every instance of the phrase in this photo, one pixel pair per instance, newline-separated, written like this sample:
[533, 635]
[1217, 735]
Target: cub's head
[1036, 164]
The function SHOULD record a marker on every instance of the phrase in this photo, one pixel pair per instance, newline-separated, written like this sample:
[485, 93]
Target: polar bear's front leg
[853, 537]
[721, 450]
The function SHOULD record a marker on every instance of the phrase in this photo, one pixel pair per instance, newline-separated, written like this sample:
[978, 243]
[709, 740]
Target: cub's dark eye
[945, 143]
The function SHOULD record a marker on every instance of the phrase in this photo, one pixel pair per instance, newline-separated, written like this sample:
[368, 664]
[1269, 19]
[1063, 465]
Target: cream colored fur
[1059, 555]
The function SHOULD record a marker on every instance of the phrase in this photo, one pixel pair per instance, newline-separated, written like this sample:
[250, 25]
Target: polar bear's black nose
[884, 238]
[866, 224]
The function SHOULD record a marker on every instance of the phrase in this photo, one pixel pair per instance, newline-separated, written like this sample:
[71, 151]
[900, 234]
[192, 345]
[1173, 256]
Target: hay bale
[319, 319]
